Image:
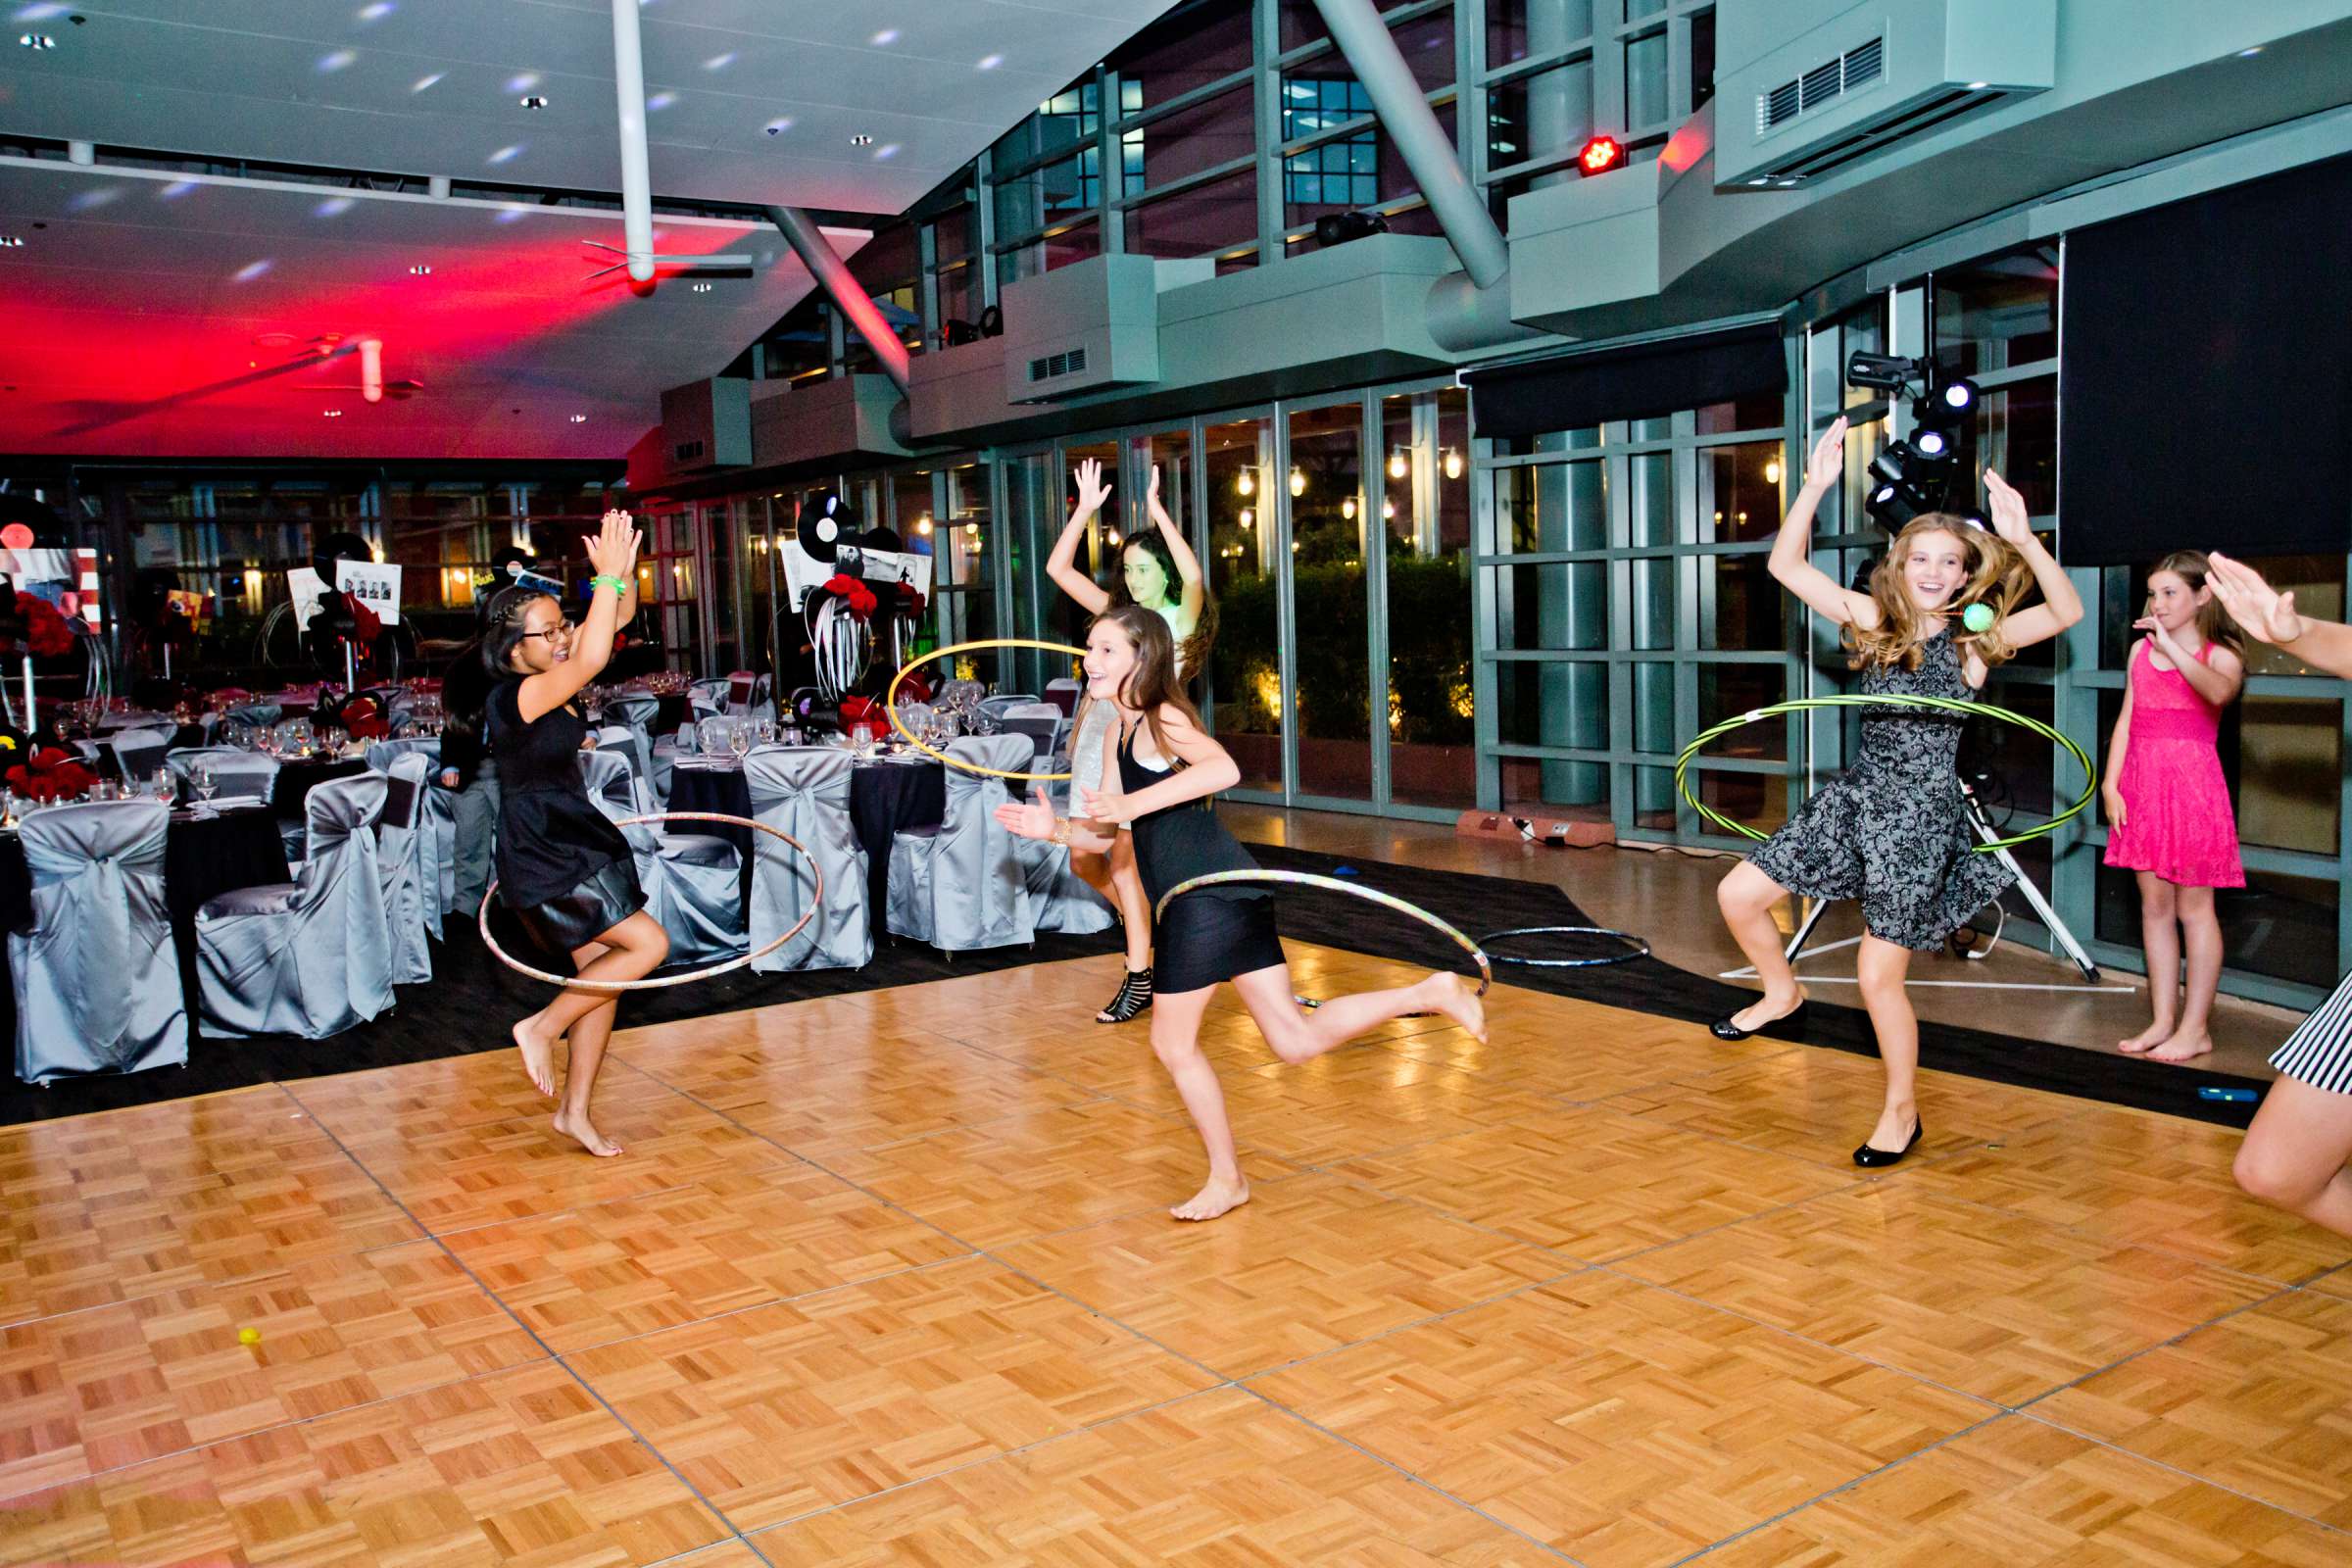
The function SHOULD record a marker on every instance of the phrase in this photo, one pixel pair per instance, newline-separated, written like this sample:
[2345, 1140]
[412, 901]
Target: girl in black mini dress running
[1892, 832]
[1168, 769]
[563, 867]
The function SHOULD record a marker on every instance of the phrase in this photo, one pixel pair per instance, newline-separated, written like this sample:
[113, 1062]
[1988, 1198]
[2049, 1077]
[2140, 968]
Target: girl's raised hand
[2008, 509]
[1092, 491]
[1032, 818]
[612, 549]
[2267, 615]
[1160, 514]
[1829, 458]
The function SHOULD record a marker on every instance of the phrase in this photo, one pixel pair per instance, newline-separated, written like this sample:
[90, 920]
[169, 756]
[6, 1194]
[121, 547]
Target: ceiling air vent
[1054, 367]
[1823, 85]
[1871, 76]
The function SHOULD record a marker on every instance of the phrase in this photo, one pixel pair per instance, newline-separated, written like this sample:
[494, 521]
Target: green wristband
[617, 584]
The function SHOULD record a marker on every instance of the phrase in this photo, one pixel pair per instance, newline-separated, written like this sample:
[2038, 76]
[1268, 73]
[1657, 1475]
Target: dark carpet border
[1479, 904]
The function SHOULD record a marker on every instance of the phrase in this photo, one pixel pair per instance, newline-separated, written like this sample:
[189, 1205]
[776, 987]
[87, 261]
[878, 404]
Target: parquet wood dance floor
[887, 1279]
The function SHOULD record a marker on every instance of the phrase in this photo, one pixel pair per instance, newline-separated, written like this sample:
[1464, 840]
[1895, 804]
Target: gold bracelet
[1061, 831]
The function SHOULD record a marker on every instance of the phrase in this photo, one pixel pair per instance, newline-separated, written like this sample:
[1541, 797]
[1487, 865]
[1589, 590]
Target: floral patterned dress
[1891, 830]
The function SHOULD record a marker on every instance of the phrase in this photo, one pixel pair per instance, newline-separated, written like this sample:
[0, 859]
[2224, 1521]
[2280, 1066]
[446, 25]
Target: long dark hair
[1152, 685]
[1204, 629]
[501, 628]
[2213, 622]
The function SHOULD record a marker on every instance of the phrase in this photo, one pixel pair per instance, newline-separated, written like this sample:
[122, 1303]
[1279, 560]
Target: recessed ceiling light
[421, 270]
[333, 413]
[779, 126]
[862, 141]
[579, 419]
[504, 154]
[989, 62]
[2249, 54]
[702, 288]
[534, 101]
[38, 40]
[1979, 86]
[885, 37]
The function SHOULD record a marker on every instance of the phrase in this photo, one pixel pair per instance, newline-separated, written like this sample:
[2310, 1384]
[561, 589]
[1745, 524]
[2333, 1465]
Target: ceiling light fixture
[779, 126]
[579, 419]
[333, 413]
[38, 40]
[421, 270]
[861, 140]
[885, 37]
[533, 101]
[989, 63]
[10, 242]
[702, 288]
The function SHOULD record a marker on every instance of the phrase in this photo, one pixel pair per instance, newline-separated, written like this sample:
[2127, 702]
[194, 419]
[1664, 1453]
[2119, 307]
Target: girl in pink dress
[2168, 805]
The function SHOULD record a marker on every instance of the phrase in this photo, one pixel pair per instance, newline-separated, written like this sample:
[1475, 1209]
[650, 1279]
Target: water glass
[739, 738]
[207, 784]
[163, 786]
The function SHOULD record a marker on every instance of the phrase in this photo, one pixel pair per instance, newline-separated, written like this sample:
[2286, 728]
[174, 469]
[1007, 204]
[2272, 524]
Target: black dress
[1209, 934]
[1892, 831]
[563, 867]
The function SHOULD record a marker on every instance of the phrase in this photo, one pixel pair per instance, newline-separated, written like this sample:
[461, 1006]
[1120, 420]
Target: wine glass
[163, 786]
[206, 783]
[739, 738]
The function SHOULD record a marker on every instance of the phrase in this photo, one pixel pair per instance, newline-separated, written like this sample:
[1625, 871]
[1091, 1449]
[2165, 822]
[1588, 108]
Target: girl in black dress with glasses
[563, 867]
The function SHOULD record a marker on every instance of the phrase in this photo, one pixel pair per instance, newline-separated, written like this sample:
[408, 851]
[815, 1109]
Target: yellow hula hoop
[817, 902]
[890, 705]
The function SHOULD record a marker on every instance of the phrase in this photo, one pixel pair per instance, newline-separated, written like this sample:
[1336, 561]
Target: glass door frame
[1368, 402]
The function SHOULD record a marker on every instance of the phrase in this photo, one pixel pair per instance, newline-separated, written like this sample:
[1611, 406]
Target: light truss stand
[2025, 885]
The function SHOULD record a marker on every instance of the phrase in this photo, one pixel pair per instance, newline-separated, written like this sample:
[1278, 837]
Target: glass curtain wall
[1248, 681]
[1625, 607]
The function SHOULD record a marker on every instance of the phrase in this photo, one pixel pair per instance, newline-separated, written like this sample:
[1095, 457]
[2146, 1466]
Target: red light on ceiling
[1600, 154]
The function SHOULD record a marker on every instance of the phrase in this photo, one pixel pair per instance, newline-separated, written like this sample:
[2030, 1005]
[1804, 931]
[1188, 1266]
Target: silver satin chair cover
[97, 981]
[439, 855]
[308, 958]
[620, 738]
[256, 716]
[693, 882]
[237, 771]
[704, 697]
[996, 707]
[401, 835]
[804, 790]
[140, 751]
[1060, 899]
[638, 710]
[960, 885]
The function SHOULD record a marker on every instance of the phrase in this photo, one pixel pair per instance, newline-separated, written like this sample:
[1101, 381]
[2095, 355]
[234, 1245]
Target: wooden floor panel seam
[2191, 1475]
[586, 1387]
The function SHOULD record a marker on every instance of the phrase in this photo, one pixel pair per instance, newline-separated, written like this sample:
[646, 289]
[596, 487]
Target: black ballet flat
[1787, 1026]
[1871, 1157]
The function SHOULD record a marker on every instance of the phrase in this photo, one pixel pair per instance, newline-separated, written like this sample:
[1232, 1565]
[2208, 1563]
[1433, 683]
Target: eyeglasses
[564, 630]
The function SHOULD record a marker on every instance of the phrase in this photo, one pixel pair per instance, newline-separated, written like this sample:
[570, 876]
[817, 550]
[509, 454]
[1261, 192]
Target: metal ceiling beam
[849, 297]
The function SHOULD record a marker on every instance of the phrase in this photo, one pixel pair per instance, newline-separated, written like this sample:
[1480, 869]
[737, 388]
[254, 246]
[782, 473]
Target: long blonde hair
[2213, 622]
[1997, 578]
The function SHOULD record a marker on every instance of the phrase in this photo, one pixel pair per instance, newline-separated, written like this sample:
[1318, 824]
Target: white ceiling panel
[434, 86]
[184, 317]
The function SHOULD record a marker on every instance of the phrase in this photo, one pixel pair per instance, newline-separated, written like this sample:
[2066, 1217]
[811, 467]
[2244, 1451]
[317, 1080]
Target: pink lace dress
[2176, 816]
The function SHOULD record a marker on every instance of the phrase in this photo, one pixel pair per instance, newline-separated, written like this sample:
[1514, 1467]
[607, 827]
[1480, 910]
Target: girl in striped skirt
[2296, 1153]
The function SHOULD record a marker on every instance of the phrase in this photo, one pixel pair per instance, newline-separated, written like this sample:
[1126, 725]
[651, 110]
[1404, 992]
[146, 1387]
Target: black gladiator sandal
[1135, 994]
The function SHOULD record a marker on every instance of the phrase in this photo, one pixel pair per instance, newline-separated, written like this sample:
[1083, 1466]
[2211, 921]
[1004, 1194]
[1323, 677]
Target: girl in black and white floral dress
[1892, 832]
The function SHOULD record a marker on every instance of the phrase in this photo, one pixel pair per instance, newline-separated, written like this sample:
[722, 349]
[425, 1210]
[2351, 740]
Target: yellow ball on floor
[249, 1336]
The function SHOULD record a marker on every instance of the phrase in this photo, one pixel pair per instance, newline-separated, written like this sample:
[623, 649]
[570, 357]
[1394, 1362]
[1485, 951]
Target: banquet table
[204, 857]
[884, 797]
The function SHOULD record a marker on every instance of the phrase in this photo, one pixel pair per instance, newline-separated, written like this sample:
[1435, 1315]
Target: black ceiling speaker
[1337, 228]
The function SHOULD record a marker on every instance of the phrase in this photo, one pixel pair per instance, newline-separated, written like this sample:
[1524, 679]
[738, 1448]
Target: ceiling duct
[1869, 77]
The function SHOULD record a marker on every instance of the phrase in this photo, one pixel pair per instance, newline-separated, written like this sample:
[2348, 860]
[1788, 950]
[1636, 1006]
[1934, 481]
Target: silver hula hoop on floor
[1636, 947]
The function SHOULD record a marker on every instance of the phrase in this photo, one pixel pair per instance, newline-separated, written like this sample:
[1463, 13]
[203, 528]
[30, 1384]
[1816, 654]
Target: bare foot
[1450, 994]
[1215, 1198]
[1763, 1010]
[2184, 1047]
[580, 1128]
[2148, 1039]
[1896, 1124]
[538, 1055]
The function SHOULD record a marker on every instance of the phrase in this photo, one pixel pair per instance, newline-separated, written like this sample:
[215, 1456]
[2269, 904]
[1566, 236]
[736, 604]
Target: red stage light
[1600, 154]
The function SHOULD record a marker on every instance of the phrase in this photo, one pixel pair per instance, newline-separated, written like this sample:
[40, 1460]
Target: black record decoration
[824, 522]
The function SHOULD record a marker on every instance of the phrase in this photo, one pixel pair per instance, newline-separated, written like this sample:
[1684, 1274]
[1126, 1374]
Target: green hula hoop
[1949, 704]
